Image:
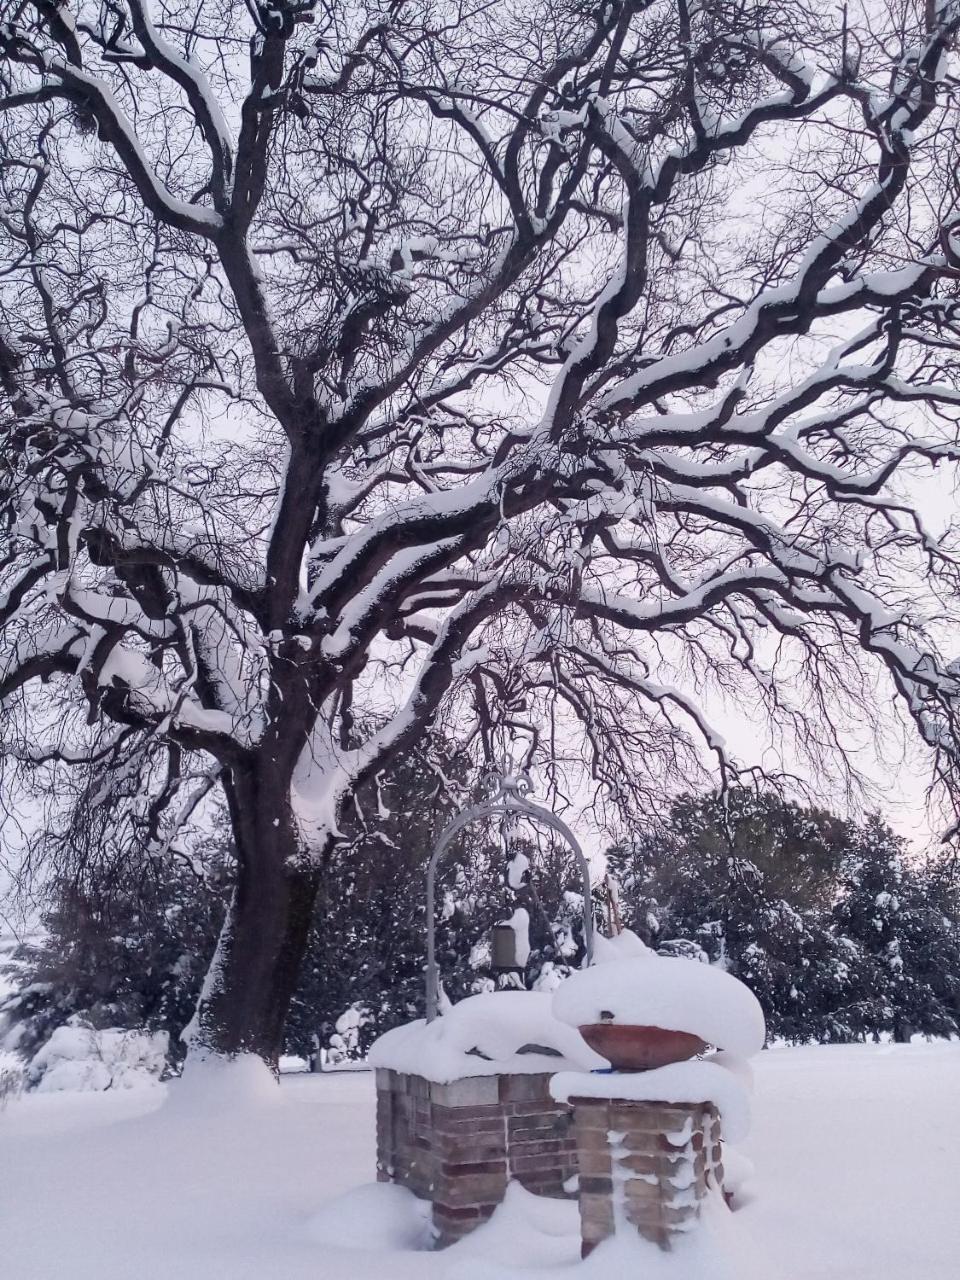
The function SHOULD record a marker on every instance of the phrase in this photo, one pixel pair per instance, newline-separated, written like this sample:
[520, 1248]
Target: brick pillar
[405, 1149]
[644, 1166]
[470, 1142]
[459, 1144]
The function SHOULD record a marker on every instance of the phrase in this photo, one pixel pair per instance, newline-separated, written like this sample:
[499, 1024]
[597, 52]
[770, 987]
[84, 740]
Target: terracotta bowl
[631, 1048]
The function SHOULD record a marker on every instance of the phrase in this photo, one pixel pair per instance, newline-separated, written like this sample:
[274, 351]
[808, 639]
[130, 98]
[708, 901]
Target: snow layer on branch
[482, 1036]
[697, 1081]
[670, 992]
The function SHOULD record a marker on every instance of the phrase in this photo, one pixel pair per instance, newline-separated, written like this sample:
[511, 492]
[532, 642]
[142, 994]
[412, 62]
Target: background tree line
[842, 935]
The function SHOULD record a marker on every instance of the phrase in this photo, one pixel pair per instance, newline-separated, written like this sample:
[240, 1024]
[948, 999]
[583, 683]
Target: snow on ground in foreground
[857, 1154]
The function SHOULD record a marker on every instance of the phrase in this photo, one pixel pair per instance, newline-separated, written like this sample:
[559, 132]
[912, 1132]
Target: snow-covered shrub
[11, 1077]
[345, 1041]
[77, 1057]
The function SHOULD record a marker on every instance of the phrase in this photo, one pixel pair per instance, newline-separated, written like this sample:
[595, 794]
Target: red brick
[448, 1170]
[545, 1107]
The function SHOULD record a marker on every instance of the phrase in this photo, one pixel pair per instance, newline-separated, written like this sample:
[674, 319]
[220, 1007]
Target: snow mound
[76, 1057]
[211, 1083]
[541, 1231]
[738, 1173]
[669, 992]
[716, 1250]
[696, 1081]
[624, 945]
[378, 1215]
[483, 1035]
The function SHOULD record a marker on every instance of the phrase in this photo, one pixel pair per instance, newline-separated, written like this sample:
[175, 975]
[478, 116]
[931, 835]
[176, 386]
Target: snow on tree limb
[361, 369]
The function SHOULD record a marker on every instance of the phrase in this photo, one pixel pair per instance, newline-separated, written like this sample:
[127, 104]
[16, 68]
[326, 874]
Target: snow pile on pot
[494, 1033]
[669, 992]
[79, 1057]
[624, 945]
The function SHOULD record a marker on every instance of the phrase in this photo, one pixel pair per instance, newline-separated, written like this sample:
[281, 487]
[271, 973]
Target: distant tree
[798, 849]
[838, 934]
[130, 952]
[889, 910]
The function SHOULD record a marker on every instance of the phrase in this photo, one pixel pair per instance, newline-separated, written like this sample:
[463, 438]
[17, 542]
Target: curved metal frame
[508, 796]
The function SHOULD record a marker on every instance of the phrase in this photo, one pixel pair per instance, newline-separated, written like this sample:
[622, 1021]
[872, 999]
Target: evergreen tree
[825, 920]
[132, 954]
[908, 977]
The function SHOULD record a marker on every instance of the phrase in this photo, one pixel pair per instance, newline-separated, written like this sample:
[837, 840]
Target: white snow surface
[670, 992]
[624, 945]
[495, 1024]
[855, 1149]
[695, 1081]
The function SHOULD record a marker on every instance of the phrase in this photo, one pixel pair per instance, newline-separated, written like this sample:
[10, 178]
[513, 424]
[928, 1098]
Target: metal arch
[509, 796]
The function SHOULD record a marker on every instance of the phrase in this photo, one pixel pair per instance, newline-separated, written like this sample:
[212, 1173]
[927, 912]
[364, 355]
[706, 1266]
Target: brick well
[459, 1144]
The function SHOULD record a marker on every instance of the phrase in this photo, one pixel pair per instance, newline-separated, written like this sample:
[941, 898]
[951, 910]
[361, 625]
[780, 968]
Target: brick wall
[459, 1144]
[644, 1166]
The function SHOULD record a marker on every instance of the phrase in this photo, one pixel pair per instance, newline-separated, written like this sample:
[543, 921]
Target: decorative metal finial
[506, 788]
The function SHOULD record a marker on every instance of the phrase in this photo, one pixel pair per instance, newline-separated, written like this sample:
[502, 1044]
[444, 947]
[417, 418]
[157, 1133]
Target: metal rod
[510, 797]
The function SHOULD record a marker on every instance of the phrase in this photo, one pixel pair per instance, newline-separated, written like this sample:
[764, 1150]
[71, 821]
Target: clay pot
[632, 1048]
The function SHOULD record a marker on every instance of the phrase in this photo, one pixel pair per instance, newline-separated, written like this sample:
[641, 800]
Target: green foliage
[839, 935]
[133, 953]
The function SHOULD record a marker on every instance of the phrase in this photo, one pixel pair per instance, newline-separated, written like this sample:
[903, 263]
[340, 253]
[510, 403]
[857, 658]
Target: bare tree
[551, 366]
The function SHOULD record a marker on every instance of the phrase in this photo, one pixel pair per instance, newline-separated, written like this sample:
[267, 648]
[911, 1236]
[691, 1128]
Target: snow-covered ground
[857, 1152]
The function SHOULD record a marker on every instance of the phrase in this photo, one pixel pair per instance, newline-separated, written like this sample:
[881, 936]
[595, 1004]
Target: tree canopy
[551, 369]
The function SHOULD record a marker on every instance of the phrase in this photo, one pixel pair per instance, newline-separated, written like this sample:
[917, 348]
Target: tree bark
[252, 978]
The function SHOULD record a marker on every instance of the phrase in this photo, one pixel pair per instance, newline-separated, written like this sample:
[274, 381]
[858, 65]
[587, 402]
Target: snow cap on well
[669, 992]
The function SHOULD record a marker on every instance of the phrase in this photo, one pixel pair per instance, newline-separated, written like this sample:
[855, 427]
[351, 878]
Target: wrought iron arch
[508, 796]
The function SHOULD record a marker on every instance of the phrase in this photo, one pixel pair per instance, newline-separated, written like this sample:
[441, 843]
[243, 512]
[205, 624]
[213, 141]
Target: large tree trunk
[254, 972]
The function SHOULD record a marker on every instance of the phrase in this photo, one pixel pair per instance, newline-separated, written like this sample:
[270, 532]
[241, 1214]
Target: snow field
[856, 1148]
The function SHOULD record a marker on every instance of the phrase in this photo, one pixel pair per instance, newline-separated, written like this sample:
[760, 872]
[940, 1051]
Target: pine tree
[838, 936]
[901, 919]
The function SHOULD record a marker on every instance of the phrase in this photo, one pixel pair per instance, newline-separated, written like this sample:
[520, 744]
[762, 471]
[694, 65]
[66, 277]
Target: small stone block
[473, 1091]
[521, 1088]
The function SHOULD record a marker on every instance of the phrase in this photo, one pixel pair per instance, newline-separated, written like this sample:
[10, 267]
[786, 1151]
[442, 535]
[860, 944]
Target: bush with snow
[11, 1077]
[78, 1057]
[344, 1043]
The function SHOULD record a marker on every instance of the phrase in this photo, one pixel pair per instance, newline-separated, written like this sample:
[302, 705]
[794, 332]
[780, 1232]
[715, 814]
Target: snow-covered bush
[345, 1041]
[77, 1057]
[11, 1077]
